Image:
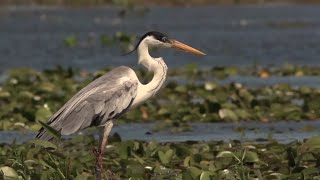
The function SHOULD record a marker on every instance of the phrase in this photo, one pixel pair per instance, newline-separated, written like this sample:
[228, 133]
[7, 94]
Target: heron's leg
[103, 138]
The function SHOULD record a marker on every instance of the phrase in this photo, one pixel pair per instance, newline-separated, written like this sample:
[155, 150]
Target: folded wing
[104, 99]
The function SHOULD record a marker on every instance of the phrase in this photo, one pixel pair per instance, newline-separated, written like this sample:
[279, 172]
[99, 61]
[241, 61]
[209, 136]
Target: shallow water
[283, 132]
[230, 35]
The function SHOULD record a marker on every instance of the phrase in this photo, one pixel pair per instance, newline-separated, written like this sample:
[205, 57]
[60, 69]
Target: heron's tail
[44, 135]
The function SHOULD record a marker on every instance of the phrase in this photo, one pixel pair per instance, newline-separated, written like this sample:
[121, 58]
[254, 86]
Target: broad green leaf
[124, 150]
[162, 157]
[43, 143]
[186, 162]
[251, 157]
[205, 175]
[9, 173]
[165, 157]
[195, 172]
[135, 169]
[186, 175]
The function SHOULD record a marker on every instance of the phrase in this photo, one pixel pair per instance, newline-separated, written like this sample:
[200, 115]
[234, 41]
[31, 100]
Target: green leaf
[50, 130]
[228, 114]
[186, 162]
[313, 143]
[311, 171]
[141, 161]
[251, 157]
[124, 151]
[44, 163]
[43, 143]
[205, 175]
[43, 114]
[9, 173]
[224, 154]
[134, 169]
[165, 157]
[162, 157]
[186, 175]
[195, 172]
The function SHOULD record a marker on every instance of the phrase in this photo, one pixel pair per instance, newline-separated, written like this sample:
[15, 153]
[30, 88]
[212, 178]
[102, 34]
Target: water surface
[230, 35]
[283, 132]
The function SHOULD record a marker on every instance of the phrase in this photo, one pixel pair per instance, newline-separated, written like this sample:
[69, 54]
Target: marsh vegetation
[192, 94]
[73, 159]
[28, 96]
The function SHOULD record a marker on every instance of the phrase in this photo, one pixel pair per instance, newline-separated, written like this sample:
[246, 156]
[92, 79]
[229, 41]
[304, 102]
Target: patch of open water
[283, 132]
[230, 35]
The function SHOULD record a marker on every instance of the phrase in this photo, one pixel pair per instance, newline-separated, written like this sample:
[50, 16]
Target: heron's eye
[164, 39]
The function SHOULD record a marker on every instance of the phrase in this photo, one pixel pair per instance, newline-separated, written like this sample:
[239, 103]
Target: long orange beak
[179, 45]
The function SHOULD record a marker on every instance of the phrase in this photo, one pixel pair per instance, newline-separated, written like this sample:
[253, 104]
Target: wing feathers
[105, 98]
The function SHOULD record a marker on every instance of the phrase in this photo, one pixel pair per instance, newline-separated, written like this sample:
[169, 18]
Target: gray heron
[113, 94]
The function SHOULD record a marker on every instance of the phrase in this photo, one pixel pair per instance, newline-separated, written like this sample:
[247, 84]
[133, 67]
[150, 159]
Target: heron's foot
[98, 154]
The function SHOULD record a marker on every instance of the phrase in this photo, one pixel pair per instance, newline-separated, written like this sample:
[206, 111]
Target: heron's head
[158, 39]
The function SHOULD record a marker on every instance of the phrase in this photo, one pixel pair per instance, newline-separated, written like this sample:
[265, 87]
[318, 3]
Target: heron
[113, 94]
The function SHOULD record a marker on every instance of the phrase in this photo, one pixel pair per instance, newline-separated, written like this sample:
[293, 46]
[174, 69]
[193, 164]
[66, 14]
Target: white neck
[157, 66]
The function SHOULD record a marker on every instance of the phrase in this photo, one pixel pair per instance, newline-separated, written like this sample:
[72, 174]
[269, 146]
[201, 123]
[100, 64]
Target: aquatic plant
[27, 96]
[71, 159]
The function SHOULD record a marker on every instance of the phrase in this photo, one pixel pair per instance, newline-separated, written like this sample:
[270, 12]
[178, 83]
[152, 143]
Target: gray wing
[104, 99]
